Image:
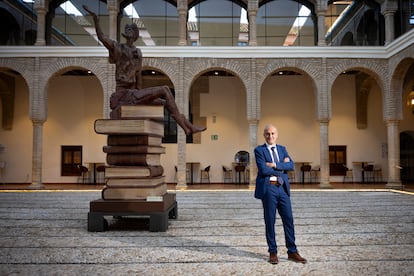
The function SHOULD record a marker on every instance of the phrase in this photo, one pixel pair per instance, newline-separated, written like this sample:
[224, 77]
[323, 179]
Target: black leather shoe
[295, 257]
[273, 258]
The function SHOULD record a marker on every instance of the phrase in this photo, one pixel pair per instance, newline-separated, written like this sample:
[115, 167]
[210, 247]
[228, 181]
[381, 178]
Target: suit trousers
[276, 198]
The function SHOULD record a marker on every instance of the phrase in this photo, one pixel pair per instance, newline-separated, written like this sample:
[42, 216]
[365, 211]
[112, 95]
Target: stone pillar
[324, 144]
[323, 108]
[388, 9]
[37, 154]
[41, 10]
[394, 176]
[181, 99]
[113, 15]
[321, 13]
[252, 7]
[182, 14]
[38, 114]
[253, 144]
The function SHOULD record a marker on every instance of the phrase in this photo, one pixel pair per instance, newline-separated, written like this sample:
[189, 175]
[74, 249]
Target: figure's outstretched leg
[153, 95]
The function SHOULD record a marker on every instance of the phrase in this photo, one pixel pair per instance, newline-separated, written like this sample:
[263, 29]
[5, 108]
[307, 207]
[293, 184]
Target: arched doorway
[407, 156]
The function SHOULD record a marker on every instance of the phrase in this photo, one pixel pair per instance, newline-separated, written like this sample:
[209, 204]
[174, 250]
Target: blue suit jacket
[264, 172]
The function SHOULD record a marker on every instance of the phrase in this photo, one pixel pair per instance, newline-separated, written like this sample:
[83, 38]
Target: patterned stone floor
[216, 233]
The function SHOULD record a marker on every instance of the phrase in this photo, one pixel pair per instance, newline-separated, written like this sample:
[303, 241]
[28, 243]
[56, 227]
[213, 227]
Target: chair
[240, 172]
[377, 174]
[348, 175]
[101, 171]
[314, 174]
[292, 176]
[369, 175]
[306, 172]
[205, 174]
[83, 172]
[187, 175]
[227, 174]
[242, 156]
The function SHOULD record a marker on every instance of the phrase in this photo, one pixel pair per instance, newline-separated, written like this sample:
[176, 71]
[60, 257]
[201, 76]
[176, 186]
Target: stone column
[113, 15]
[388, 9]
[182, 14]
[38, 114]
[324, 153]
[41, 10]
[323, 107]
[181, 98]
[252, 7]
[321, 13]
[37, 154]
[253, 143]
[394, 176]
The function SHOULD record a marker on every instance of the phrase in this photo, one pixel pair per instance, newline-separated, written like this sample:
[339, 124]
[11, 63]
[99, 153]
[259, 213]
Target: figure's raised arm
[107, 42]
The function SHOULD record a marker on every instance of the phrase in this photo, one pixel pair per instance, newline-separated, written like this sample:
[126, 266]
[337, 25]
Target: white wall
[18, 141]
[288, 102]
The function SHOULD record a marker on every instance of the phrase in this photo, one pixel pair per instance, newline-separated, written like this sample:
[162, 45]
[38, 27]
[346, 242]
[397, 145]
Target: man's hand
[271, 165]
[286, 159]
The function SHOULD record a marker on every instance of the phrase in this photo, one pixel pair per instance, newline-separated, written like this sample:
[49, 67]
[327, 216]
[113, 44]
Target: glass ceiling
[210, 23]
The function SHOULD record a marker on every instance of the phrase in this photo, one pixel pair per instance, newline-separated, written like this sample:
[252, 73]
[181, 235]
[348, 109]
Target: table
[192, 165]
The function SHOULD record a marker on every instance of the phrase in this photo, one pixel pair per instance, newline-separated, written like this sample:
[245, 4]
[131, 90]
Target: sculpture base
[158, 212]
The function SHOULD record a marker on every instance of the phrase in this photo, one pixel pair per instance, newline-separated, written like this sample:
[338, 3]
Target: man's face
[270, 135]
[131, 31]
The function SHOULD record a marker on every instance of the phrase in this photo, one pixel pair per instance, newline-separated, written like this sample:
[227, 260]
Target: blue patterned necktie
[276, 159]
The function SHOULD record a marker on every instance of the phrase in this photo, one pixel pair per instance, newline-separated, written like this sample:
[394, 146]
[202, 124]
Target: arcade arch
[74, 101]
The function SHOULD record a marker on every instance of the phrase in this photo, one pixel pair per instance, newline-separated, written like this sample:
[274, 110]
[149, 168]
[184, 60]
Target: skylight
[192, 16]
[297, 25]
[131, 11]
[70, 9]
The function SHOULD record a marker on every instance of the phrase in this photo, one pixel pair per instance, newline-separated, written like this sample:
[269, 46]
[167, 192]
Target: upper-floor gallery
[208, 22]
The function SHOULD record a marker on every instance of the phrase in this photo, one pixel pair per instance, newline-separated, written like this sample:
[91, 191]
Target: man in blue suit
[273, 188]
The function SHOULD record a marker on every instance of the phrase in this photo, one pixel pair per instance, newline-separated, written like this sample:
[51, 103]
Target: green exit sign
[214, 137]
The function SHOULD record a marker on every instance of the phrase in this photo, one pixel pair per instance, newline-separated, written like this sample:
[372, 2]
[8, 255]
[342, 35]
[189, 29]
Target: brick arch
[168, 66]
[98, 66]
[373, 68]
[394, 99]
[22, 66]
[308, 67]
[197, 67]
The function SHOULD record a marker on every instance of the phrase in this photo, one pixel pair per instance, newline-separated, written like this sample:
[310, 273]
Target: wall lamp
[410, 101]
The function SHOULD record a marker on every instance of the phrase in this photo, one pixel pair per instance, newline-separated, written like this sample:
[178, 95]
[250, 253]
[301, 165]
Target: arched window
[67, 24]
[217, 23]
[286, 23]
[157, 21]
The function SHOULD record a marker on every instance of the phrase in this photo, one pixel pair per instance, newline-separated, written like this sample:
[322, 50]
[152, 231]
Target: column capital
[252, 5]
[389, 7]
[182, 5]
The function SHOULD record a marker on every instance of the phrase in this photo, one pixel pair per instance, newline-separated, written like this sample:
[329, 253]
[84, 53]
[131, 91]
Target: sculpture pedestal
[158, 212]
[134, 181]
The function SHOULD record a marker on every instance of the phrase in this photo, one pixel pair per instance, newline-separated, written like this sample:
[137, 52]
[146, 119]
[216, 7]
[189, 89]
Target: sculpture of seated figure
[129, 91]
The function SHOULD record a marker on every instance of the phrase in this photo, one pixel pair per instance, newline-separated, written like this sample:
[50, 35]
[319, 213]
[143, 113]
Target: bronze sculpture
[128, 60]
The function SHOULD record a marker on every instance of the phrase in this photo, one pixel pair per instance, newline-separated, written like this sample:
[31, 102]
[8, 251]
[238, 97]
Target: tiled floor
[217, 232]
